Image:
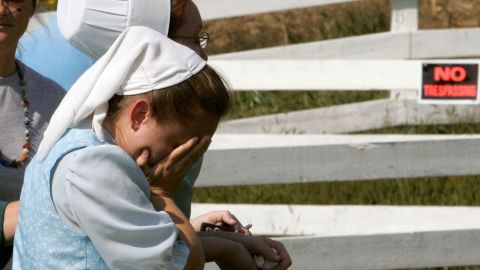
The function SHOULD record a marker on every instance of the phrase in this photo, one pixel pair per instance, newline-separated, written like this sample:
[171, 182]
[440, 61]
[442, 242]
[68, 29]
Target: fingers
[221, 218]
[181, 151]
[260, 246]
[270, 253]
[273, 251]
[142, 159]
[285, 260]
[174, 163]
[196, 152]
[142, 162]
[215, 217]
[166, 175]
[245, 230]
[185, 155]
[188, 153]
[237, 257]
[228, 218]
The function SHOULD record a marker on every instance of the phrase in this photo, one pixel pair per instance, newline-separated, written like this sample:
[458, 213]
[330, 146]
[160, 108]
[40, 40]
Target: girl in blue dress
[98, 195]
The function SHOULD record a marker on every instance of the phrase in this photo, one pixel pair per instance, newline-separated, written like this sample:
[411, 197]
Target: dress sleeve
[107, 197]
[183, 196]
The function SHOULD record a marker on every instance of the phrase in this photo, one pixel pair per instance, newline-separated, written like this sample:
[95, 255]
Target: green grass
[255, 103]
[454, 191]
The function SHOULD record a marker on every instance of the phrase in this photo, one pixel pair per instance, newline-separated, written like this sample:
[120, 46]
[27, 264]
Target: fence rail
[367, 75]
[366, 237]
[219, 9]
[421, 44]
[274, 159]
[361, 116]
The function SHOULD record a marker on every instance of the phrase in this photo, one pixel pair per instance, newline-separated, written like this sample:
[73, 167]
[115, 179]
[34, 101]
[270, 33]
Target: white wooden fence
[307, 146]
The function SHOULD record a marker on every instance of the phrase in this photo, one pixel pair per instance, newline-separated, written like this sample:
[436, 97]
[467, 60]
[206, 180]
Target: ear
[139, 112]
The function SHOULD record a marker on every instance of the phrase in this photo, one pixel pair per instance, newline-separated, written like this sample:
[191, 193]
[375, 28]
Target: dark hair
[34, 4]
[178, 6]
[204, 92]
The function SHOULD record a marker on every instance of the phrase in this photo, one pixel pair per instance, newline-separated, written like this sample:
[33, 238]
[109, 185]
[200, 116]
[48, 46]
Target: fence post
[404, 19]
[404, 16]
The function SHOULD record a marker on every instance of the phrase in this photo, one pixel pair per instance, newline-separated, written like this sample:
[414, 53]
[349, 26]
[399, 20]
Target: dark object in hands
[207, 227]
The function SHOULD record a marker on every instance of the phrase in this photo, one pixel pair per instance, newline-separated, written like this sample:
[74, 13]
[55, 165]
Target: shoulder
[106, 165]
[105, 153]
[43, 88]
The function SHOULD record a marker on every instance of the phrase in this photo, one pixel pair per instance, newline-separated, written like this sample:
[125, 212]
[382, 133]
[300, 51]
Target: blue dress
[116, 226]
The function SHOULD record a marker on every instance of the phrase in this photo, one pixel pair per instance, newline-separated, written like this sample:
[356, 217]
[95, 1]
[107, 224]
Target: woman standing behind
[27, 100]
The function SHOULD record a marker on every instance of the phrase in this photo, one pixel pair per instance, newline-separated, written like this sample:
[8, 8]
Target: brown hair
[204, 92]
[178, 6]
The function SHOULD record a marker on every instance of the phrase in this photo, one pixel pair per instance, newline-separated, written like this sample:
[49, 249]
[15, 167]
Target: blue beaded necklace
[17, 162]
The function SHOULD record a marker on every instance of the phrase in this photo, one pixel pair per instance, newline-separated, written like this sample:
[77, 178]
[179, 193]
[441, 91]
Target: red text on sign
[432, 90]
[447, 74]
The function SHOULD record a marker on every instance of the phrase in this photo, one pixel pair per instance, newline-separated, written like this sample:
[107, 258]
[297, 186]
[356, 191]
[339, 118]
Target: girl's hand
[221, 216]
[270, 249]
[227, 254]
[167, 174]
[285, 261]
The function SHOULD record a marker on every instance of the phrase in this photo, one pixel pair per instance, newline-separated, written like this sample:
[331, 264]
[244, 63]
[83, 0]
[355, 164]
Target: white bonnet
[139, 61]
[93, 25]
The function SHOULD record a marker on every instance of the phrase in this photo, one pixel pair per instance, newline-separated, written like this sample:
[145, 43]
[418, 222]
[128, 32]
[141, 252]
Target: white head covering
[141, 60]
[93, 25]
